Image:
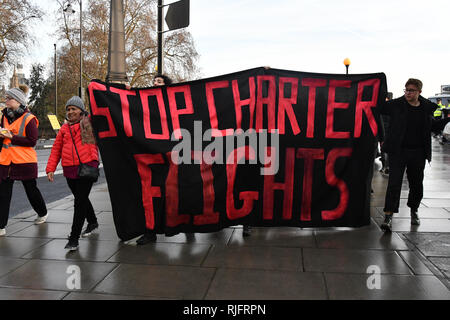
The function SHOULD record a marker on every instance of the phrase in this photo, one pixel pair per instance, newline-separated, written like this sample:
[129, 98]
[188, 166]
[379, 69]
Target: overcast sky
[401, 38]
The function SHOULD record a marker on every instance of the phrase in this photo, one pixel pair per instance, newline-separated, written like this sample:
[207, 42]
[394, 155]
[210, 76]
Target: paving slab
[353, 261]
[392, 287]
[17, 226]
[424, 213]
[163, 254]
[277, 237]
[426, 225]
[157, 281]
[96, 296]
[415, 263]
[45, 230]
[17, 247]
[431, 244]
[89, 250]
[10, 264]
[53, 275]
[442, 264]
[56, 216]
[221, 237]
[359, 239]
[24, 294]
[267, 258]
[242, 284]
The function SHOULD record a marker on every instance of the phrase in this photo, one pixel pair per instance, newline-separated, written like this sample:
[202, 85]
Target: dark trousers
[83, 207]
[33, 194]
[413, 160]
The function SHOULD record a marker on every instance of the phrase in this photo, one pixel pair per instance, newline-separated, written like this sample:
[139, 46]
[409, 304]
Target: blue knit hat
[76, 102]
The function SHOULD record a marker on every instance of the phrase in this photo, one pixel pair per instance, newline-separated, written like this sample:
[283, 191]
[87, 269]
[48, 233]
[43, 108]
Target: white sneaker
[2, 232]
[40, 220]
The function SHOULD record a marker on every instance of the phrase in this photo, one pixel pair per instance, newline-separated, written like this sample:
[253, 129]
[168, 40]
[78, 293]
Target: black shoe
[415, 221]
[146, 238]
[247, 231]
[72, 245]
[89, 229]
[387, 223]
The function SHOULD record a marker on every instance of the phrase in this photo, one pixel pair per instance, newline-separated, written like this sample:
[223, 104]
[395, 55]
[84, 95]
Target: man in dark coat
[408, 144]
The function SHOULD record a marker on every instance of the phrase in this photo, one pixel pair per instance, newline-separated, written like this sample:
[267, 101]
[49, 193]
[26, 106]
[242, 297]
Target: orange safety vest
[17, 154]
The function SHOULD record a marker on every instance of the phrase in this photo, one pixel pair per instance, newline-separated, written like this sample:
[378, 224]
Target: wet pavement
[412, 262]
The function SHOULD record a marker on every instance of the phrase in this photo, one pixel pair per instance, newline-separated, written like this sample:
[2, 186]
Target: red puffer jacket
[63, 148]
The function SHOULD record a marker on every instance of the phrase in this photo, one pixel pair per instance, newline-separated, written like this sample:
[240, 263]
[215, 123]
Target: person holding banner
[75, 143]
[18, 159]
[150, 235]
[408, 144]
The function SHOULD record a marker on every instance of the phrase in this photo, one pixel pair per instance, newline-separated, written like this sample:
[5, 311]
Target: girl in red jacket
[79, 131]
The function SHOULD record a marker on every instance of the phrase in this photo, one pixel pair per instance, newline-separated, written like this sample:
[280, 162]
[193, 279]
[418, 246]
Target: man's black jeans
[33, 194]
[83, 207]
[413, 160]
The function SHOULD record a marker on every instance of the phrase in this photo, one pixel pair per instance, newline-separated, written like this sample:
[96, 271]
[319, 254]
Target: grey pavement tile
[426, 225]
[16, 227]
[433, 203]
[268, 258]
[54, 275]
[241, 284]
[89, 250]
[428, 194]
[26, 294]
[413, 261]
[62, 202]
[277, 237]
[431, 244]
[359, 239]
[10, 264]
[174, 282]
[67, 204]
[57, 216]
[220, 237]
[105, 232]
[105, 218]
[101, 205]
[424, 213]
[353, 261]
[17, 247]
[392, 287]
[45, 230]
[95, 296]
[442, 263]
[25, 215]
[163, 254]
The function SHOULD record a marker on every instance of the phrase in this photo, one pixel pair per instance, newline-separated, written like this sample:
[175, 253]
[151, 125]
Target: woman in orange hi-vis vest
[18, 159]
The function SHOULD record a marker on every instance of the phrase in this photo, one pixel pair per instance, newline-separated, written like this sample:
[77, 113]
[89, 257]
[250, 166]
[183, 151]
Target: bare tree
[15, 17]
[140, 38]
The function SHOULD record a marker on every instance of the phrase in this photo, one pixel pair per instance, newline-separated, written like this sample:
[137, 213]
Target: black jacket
[397, 111]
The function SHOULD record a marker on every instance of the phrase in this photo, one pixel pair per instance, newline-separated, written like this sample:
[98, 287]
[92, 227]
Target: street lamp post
[81, 56]
[56, 85]
[116, 44]
[69, 9]
[347, 64]
[160, 36]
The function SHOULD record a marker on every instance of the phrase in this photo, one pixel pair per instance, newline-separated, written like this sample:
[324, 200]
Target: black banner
[263, 147]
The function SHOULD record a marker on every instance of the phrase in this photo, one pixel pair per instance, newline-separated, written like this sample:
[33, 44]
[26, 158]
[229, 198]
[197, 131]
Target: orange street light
[347, 64]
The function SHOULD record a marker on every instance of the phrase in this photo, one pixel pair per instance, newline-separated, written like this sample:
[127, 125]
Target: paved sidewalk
[274, 263]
